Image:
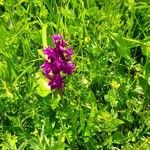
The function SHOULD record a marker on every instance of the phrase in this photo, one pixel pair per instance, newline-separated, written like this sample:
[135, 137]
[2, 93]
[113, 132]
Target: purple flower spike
[58, 61]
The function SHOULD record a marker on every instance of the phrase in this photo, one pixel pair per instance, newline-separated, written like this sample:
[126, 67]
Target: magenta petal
[61, 48]
[47, 67]
[69, 67]
[59, 40]
[56, 82]
[68, 53]
[59, 63]
[47, 50]
[50, 53]
[63, 43]
[59, 81]
[56, 37]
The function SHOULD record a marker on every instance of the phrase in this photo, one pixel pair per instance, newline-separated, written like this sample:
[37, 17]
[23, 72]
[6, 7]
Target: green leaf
[146, 69]
[74, 3]
[107, 122]
[118, 137]
[42, 88]
[54, 102]
[146, 49]
[124, 44]
[91, 3]
[23, 145]
[35, 145]
[92, 11]
[1, 2]
[40, 52]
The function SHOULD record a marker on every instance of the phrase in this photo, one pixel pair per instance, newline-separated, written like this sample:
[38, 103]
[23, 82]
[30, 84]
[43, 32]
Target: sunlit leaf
[42, 88]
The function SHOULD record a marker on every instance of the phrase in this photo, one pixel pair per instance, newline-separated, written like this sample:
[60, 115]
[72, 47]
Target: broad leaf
[42, 88]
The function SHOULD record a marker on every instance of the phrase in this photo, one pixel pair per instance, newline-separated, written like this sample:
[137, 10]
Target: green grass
[106, 101]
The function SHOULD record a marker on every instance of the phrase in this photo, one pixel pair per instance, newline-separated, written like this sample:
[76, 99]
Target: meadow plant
[106, 103]
[58, 62]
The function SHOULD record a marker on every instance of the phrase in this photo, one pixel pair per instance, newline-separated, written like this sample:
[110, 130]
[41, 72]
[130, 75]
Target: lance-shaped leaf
[124, 44]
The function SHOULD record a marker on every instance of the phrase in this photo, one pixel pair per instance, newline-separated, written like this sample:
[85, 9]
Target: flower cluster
[58, 62]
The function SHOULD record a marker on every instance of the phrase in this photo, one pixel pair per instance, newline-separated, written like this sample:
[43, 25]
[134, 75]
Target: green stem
[44, 35]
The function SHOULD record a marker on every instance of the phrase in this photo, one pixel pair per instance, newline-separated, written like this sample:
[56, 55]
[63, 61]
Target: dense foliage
[105, 104]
